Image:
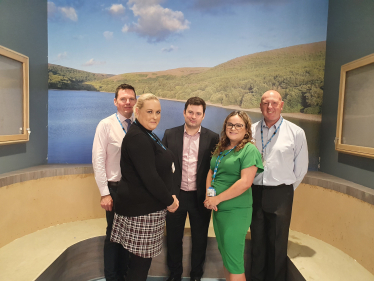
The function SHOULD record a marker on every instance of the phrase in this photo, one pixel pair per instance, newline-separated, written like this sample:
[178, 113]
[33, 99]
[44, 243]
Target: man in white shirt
[284, 153]
[106, 154]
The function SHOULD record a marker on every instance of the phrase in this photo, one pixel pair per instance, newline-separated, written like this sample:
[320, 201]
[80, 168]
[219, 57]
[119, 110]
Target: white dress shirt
[106, 151]
[285, 157]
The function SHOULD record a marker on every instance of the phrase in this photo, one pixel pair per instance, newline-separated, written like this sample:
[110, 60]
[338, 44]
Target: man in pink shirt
[193, 146]
[106, 154]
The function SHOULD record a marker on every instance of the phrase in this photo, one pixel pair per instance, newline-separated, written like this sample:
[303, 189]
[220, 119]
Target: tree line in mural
[60, 77]
[296, 72]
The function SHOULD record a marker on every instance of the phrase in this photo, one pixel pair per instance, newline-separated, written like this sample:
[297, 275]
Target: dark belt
[113, 183]
[272, 186]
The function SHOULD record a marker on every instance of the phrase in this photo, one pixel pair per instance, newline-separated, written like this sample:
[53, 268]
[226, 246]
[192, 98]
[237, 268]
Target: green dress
[233, 218]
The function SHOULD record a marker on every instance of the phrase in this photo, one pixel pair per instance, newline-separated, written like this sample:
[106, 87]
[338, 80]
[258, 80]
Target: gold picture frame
[354, 132]
[14, 97]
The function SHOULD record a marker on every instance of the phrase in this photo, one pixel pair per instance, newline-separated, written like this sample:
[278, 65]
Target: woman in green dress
[233, 167]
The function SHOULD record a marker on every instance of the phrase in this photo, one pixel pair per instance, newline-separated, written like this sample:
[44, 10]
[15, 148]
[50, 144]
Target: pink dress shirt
[106, 151]
[189, 160]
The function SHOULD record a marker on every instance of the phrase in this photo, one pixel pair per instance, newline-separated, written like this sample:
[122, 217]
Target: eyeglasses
[236, 126]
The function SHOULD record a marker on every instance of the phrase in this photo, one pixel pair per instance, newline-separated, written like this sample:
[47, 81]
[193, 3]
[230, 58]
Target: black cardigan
[147, 178]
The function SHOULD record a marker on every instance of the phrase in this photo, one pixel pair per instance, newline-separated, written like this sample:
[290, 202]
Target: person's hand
[106, 202]
[173, 207]
[211, 203]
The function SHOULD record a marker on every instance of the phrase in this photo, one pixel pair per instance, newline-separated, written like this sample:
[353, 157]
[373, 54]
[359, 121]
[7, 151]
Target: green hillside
[297, 72]
[60, 77]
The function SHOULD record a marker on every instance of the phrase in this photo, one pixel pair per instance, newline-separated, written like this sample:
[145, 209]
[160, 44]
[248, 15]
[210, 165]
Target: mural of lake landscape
[74, 115]
[226, 52]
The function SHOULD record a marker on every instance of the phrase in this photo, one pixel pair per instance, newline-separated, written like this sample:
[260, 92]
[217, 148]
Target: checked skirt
[141, 235]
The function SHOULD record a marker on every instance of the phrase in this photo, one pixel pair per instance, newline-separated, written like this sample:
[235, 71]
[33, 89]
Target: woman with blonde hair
[233, 167]
[144, 192]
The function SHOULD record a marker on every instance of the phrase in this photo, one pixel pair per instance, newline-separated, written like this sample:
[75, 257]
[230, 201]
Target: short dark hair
[124, 87]
[195, 101]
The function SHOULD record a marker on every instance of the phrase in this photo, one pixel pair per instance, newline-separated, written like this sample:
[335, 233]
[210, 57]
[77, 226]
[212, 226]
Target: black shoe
[174, 278]
[195, 278]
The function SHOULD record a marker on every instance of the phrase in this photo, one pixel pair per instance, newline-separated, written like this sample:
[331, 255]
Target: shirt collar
[276, 124]
[198, 132]
[123, 118]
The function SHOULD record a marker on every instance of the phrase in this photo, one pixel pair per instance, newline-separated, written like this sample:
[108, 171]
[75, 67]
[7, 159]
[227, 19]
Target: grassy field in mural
[297, 72]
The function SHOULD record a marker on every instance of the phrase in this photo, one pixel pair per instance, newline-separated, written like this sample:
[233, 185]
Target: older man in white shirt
[106, 154]
[284, 153]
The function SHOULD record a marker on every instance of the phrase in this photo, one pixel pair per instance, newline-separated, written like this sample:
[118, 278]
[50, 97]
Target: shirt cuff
[104, 191]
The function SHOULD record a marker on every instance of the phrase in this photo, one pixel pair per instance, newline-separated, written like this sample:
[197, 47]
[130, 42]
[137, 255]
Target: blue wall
[23, 28]
[350, 36]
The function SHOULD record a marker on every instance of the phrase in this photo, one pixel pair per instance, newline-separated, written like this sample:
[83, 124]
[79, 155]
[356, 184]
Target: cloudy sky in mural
[125, 36]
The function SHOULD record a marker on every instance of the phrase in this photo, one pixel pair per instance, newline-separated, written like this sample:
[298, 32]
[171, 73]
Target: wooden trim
[345, 148]
[24, 137]
[356, 150]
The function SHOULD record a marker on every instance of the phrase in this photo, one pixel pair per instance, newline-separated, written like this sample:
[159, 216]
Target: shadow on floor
[296, 250]
[84, 261]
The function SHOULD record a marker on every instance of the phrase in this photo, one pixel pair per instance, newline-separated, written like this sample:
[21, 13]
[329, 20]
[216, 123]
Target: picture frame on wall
[354, 133]
[14, 97]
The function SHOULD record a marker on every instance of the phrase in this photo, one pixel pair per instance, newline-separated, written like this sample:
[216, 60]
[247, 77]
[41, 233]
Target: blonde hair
[140, 101]
[225, 141]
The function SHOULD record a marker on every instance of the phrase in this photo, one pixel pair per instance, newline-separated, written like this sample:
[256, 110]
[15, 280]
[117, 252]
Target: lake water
[74, 115]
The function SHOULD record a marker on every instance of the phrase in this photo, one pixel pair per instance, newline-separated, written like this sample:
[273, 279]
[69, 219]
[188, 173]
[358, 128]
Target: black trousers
[138, 268]
[272, 209]
[199, 221]
[116, 258]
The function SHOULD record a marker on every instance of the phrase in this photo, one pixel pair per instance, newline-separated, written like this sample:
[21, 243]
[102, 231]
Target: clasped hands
[173, 207]
[211, 203]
